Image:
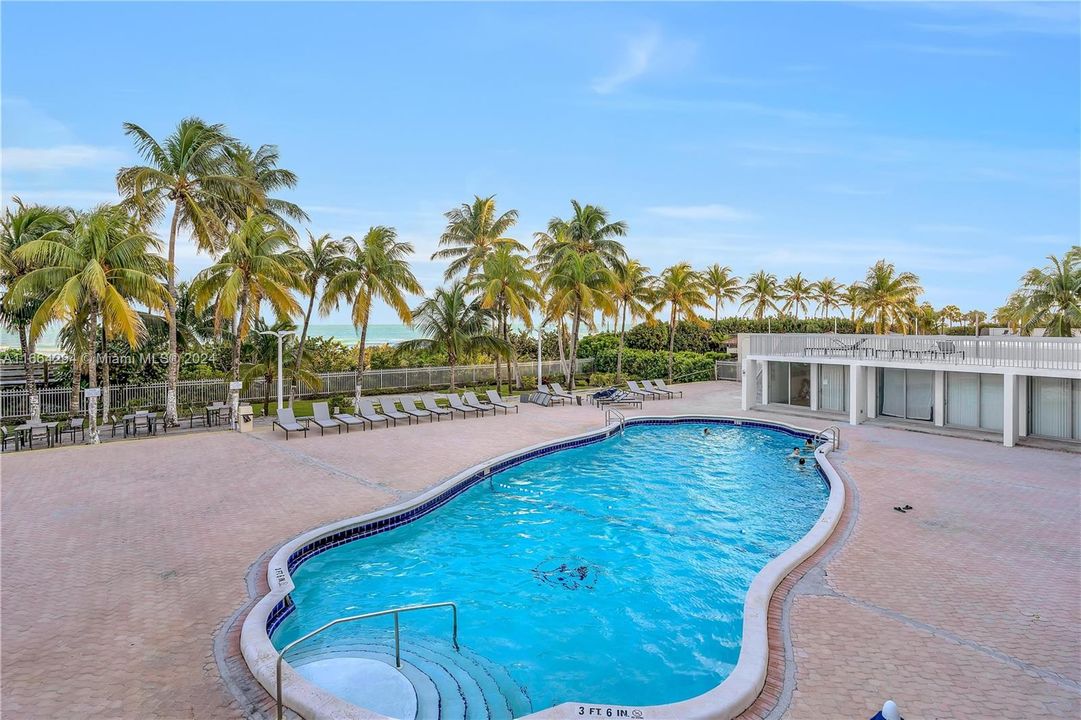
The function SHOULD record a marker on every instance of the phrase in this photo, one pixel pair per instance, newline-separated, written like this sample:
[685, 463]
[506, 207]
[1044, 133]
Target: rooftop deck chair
[551, 393]
[6, 437]
[409, 407]
[322, 418]
[288, 422]
[75, 425]
[662, 385]
[496, 401]
[650, 387]
[947, 348]
[456, 404]
[633, 389]
[387, 406]
[349, 420]
[430, 405]
[849, 348]
[471, 400]
[367, 412]
[559, 392]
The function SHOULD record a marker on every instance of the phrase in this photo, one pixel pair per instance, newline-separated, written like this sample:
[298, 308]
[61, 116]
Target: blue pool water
[610, 573]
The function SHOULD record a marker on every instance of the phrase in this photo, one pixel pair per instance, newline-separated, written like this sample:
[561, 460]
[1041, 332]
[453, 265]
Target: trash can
[247, 419]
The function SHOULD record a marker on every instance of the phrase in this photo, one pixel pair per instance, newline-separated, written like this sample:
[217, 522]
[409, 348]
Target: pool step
[450, 684]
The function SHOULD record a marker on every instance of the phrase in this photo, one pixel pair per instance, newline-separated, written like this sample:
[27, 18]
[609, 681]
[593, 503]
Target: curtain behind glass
[833, 388]
[962, 399]
[1049, 407]
[893, 392]
[778, 382]
[1077, 409]
[920, 393]
[991, 401]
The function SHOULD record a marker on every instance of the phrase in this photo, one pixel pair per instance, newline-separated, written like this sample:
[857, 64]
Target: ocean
[377, 335]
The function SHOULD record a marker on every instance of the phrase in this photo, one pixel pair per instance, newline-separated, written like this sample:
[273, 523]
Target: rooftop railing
[1035, 353]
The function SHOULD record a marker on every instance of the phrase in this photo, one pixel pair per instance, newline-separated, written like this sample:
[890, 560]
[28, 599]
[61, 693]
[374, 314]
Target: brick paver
[121, 563]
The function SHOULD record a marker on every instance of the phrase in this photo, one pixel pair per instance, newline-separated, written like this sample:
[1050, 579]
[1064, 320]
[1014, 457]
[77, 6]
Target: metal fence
[997, 351]
[726, 370]
[14, 403]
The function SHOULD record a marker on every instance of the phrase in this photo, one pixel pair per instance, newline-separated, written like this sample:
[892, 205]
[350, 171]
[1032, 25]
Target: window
[833, 388]
[906, 393]
[974, 400]
[1053, 408]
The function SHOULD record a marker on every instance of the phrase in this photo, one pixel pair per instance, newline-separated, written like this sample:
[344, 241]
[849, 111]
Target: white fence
[14, 403]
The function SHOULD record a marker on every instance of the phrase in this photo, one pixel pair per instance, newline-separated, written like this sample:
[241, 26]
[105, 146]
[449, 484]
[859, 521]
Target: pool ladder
[611, 412]
[834, 436]
[382, 613]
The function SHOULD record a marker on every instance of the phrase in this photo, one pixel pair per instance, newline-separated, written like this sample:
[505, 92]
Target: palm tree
[587, 231]
[851, 298]
[1051, 296]
[374, 268]
[21, 224]
[723, 286]
[682, 290]
[887, 297]
[260, 263]
[259, 169]
[322, 259]
[578, 284]
[828, 293]
[451, 323]
[191, 172]
[100, 266]
[508, 288]
[976, 318]
[927, 317]
[264, 360]
[796, 291]
[633, 290]
[473, 231]
[952, 314]
[760, 294]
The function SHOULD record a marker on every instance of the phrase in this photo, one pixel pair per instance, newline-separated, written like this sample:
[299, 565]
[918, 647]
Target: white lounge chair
[456, 404]
[551, 394]
[649, 387]
[633, 389]
[471, 400]
[349, 420]
[367, 412]
[322, 418]
[496, 401]
[409, 407]
[559, 392]
[662, 385]
[387, 406]
[288, 422]
[430, 405]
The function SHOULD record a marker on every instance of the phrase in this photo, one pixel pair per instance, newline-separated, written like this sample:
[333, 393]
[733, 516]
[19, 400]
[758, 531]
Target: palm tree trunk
[452, 360]
[560, 331]
[574, 342]
[671, 344]
[234, 363]
[360, 364]
[92, 378]
[619, 353]
[32, 397]
[498, 358]
[106, 386]
[76, 385]
[717, 308]
[173, 374]
[304, 333]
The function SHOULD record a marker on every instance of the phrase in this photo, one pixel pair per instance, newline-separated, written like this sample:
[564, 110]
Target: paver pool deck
[125, 565]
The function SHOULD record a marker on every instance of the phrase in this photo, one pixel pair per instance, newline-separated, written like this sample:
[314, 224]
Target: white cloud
[77, 198]
[947, 228]
[58, 157]
[638, 55]
[712, 211]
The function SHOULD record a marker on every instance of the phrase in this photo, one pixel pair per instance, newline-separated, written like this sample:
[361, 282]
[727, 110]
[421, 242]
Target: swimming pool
[614, 572]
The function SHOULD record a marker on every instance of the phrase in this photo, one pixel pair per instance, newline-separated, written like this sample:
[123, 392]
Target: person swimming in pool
[705, 431]
[803, 461]
[794, 454]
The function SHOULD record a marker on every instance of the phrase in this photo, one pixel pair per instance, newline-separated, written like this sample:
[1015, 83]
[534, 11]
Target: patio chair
[288, 422]
[40, 432]
[633, 389]
[367, 412]
[849, 348]
[409, 407]
[141, 420]
[113, 424]
[471, 400]
[559, 392]
[322, 418]
[947, 348]
[456, 404]
[6, 437]
[662, 385]
[496, 401]
[194, 416]
[430, 405]
[551, 394]
[75, 425]
[387, 406]
[349, 420]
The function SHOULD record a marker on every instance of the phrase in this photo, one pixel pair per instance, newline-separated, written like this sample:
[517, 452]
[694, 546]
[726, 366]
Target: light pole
[280, 334]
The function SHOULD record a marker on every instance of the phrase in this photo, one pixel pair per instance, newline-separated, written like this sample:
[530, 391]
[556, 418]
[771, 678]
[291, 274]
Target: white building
[1014, 386]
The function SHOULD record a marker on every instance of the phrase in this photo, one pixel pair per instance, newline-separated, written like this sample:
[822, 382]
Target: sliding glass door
[1054, 408]
[833, 388]
[974, 400]
[906, 393]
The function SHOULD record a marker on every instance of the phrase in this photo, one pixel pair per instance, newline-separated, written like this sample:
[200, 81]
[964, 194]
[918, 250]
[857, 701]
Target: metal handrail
[835, 438]
[609, 412]
[677, 378]
[397, 640]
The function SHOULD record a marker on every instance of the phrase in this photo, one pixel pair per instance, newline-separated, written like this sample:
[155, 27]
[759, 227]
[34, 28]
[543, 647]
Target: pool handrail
[351, 618]
[609, 412]
[834, 437]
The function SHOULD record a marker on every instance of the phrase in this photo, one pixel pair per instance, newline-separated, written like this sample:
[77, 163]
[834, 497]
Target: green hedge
[654, 364]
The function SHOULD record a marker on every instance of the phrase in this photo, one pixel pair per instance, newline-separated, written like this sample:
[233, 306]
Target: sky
[813, 138]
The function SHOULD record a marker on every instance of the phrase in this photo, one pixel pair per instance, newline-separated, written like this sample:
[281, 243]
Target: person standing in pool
[794, 454]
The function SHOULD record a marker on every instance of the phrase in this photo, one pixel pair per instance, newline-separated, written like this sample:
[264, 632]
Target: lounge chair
[387, 406]
[322, 418]
[349, 421]
[662, 385]
[456, 404]
[470, 399]
[559, 392]
[649, 391]
[552, 394]
[409, 407]
[599, 396]
[650, 387]
[850, 348]
[540, 398]
[947, 348]
[430, 405]
[633, 389]
[288, 422]
[496, 401]
[367, 412]
[615, 396]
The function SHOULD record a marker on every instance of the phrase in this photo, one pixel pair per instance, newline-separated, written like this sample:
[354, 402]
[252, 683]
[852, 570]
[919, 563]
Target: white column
[747, 377]
[814, 385]
[765, 381]
[939, 407]
[1009, 410]
[1022, 405]
[857, 394]
[872, 393]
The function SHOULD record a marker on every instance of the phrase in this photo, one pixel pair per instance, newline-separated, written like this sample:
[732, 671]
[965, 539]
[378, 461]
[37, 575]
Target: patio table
[151, 420]
[213, 413]
[25, 431]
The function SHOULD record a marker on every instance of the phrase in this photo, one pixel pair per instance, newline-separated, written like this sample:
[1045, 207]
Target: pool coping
[736, 692]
